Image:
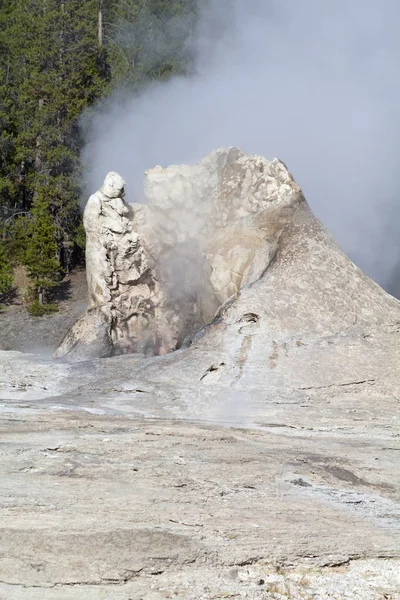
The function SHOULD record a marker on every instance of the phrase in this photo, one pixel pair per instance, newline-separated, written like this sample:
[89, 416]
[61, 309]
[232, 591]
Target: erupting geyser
[157, 273]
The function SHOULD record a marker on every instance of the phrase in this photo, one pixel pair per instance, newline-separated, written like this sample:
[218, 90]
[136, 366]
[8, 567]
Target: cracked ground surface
[123, 507]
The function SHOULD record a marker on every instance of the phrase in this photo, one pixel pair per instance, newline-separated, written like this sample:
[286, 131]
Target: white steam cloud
[313, 82]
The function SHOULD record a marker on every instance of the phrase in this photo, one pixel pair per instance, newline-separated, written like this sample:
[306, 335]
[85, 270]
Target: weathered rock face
[119, 280]
[159, 274]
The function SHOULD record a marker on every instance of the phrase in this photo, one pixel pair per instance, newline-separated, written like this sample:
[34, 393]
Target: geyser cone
[313, 319]
[295, 314]
[158, 273]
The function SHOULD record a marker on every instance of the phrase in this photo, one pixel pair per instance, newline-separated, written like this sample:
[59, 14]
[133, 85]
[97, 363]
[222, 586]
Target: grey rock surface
[25, 333]
[260, 460]
[113, 506]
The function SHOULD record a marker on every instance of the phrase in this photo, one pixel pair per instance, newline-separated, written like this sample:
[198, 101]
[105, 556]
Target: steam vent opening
[158, 272]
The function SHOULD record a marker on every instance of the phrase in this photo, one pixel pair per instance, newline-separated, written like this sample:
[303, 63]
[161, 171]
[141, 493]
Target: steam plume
[314, 83]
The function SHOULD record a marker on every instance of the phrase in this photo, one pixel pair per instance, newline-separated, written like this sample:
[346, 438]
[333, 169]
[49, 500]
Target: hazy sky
[313, 82]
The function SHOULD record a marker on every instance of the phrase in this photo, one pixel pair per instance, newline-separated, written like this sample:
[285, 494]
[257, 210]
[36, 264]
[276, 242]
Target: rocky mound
[294, 315]
[158, 272]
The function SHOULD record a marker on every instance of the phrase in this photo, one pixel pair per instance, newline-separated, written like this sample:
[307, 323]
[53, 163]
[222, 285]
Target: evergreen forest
[58, 60]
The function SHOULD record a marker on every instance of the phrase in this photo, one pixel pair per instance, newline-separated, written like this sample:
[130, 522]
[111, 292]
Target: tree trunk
[62, 8]
[100, 30]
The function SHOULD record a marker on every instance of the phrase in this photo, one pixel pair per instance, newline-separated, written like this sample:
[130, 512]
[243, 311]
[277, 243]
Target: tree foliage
[51, 69]
[41, 255]
[6, 271]
[147, 40]
[57, 58]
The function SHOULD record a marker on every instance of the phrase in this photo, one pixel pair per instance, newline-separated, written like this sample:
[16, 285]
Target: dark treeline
[57, 59]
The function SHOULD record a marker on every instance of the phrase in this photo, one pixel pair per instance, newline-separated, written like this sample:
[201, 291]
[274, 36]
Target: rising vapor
[313, 83]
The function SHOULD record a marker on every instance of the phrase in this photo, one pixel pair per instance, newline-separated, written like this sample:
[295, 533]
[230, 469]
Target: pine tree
[6, 271]
[41, 256]
[57, 58]
[9, 179]
[147, 39]
[52, 67]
